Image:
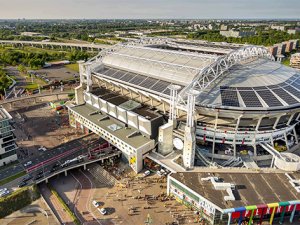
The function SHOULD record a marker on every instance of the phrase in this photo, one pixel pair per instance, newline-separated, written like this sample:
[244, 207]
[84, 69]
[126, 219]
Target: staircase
[102, 177]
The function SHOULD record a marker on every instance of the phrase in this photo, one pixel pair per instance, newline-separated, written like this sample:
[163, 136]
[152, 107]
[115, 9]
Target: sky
[149, 9]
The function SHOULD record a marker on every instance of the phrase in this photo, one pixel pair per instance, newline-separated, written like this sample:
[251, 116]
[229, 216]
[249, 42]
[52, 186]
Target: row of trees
[262, 37]
[36, 60]
[5, 82]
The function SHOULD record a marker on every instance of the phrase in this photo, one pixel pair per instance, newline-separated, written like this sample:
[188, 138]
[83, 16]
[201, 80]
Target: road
[55, 205]
[83, 199]
[11, 170]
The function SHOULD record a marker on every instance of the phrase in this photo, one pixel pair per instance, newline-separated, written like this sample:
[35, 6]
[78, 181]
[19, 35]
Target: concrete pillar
[84, 167]
[66, 173]
[47, 181]
[11, 105]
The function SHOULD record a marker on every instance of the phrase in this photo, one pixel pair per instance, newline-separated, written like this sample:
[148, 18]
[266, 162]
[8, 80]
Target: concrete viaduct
[79, 46]
[37, 98]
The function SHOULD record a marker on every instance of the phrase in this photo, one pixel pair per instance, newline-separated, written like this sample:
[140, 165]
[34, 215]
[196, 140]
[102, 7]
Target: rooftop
[167, 65]
[4, 115]
[93, 115]
[250, 188]
[125, 103]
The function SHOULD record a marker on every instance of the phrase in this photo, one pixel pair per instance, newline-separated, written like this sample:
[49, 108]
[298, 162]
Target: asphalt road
[10, 171]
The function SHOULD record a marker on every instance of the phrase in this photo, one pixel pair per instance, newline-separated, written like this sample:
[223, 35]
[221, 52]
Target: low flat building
[231, 198]
[7, 139]
[236, 34]
[294, 31]
[295, 61]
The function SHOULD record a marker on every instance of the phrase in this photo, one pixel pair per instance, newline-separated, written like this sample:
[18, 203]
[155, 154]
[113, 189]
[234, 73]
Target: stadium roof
[171, 66]
[254, 84]
[244, 77]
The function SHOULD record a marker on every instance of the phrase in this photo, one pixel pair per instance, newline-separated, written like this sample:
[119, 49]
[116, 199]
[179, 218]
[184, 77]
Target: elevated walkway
[285, 161]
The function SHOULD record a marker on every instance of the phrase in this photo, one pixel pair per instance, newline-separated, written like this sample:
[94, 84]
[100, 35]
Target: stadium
[196, 103]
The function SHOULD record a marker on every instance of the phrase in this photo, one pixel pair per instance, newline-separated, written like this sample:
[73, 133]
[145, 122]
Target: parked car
[4, 193]
[3, 189]
[147, 173]
[28, 163]
[42, 148]
[22, 184]
[103, 211]
[161, 173]
[27, 178]
[95, 203]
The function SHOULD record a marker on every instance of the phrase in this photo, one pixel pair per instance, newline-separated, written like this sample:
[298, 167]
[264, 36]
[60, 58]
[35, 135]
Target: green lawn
[31, 86]
[11, 178]
[73, 66]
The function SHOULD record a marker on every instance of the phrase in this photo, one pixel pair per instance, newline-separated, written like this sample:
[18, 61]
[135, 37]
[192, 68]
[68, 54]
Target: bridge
[61, 45]
[34, 97]
[83, 164]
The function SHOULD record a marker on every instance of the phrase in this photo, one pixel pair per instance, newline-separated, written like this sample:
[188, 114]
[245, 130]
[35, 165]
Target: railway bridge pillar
[66, 173]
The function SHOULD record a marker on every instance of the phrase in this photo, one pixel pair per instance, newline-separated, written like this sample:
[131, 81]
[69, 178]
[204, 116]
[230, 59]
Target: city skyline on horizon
[154, 9]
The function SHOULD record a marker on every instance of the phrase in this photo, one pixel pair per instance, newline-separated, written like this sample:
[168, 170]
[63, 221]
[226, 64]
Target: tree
[22, 69]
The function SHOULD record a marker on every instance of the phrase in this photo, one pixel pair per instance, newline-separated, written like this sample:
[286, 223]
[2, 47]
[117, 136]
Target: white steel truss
[209, 74]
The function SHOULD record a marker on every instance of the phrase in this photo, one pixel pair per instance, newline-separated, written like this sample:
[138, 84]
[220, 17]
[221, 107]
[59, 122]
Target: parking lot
[56, 73]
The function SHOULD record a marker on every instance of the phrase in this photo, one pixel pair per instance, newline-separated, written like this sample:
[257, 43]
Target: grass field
[73, 66]
[11, 178]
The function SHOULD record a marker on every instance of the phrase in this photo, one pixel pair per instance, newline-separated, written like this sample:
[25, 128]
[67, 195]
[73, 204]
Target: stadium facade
[213, 100]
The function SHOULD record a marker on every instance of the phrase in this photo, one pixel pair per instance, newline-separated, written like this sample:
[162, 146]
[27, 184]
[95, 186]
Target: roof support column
[277, 121]
[293, 214]
[229, 218]
[235, 133]
[254, 139]
[286, 140]
[290, 119]
[295, 135]
[214, 138]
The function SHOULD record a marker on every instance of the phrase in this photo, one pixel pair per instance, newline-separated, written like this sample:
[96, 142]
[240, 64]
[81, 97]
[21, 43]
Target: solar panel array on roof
[245, 88]
[269, 98]
[160, 86]
[137, 79]
[127, 77]
[229, 98]
[285, 96]
[250, 99]
[148, 83]
[292, 91]
[260, 88]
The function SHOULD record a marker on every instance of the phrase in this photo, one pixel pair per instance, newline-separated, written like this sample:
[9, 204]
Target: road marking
[88, 204]
[75, 209]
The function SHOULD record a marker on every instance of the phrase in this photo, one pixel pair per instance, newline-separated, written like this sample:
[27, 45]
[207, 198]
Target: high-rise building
[7, 139]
